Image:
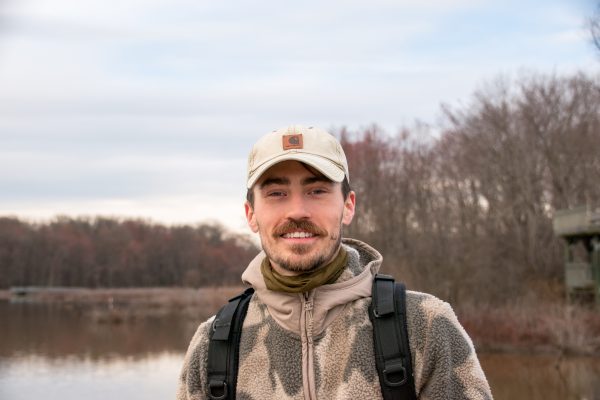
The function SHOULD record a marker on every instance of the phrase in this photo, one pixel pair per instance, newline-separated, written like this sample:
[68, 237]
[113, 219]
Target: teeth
[297, 235]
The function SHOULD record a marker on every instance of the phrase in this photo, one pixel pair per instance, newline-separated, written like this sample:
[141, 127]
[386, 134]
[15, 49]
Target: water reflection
[54, 351]
[32, 377]
[59, 331]
[546, 377]
[62, 352]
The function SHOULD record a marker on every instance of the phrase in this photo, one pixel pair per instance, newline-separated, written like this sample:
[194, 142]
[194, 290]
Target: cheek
[263, 223]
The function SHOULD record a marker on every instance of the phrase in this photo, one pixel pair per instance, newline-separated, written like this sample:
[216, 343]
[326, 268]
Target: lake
[58, 352]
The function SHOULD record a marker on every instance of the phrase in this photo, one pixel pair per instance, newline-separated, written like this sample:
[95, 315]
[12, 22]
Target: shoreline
[159, 296]
[532, 328]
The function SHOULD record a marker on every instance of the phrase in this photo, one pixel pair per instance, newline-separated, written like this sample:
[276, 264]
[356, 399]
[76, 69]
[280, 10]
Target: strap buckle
[217, 390]
[394, 373]
[383, 296]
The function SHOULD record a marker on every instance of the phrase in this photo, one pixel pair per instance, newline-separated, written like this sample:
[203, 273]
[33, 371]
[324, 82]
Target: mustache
[294, 225]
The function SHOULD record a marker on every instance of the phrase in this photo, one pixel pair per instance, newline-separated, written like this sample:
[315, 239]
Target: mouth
[301, 231]
[298, 235]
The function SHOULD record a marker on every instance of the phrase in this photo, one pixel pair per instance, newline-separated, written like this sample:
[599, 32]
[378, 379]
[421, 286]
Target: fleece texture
[273, 349]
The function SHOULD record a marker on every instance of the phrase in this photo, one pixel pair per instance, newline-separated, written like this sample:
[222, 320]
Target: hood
[328, 300]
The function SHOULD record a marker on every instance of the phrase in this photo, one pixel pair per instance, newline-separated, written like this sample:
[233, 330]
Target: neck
[304, 282]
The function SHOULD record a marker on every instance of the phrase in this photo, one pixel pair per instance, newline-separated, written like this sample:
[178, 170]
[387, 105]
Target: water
[57, 352]
[62, 353]
[33, 377]
[542, 377]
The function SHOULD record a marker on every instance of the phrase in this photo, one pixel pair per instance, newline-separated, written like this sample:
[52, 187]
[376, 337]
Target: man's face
[298, 215]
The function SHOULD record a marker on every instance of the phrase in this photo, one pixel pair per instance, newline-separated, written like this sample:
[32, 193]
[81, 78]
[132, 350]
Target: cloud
[150, 107]
[568, 37]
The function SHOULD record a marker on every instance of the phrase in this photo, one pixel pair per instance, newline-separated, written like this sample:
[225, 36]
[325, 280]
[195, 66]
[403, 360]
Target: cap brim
[322, 164]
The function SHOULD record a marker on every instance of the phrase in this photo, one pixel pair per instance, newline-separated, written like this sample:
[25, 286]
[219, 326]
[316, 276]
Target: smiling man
[298, 213]
[307, 333]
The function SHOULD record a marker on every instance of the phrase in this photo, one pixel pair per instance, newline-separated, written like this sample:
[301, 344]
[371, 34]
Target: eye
[275, 193]
[317, 191]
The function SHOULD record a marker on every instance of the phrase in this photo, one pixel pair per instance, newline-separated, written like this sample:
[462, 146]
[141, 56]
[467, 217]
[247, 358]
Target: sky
[148, 108]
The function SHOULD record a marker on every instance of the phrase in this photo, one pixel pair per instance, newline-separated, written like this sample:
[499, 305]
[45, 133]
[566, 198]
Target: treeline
[104, 252]
[464, 212]
[467, 213]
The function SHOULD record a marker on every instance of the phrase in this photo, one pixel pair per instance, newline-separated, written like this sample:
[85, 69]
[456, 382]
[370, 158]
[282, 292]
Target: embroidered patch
[292, 141]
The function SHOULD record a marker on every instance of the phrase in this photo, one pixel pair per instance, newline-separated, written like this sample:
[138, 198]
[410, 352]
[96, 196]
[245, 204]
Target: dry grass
[523, 327]
[132, 296]
[118, 305]
[532, 327]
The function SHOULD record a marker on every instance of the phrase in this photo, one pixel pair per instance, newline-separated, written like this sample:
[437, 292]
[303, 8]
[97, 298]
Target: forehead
[291, 170]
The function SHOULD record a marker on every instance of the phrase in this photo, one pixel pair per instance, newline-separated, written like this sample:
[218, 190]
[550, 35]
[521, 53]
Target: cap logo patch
[292, 141]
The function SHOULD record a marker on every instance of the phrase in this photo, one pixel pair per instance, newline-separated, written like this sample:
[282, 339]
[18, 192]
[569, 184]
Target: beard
[301, 261]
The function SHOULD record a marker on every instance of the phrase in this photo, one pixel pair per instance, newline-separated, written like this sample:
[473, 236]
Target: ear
[250, 217]
[349, 205]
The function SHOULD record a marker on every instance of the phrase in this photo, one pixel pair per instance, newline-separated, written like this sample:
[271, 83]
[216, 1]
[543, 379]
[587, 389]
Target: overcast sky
[148, 108]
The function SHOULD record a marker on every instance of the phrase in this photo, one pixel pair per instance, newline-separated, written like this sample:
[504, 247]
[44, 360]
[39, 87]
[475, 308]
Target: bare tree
[469, 215]
[594, 25]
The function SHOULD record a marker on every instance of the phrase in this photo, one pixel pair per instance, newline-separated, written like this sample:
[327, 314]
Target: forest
[467, 213]
[462, 210]
[108, 252]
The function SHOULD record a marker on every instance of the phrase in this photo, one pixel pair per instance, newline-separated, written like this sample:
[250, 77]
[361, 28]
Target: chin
[303, 263]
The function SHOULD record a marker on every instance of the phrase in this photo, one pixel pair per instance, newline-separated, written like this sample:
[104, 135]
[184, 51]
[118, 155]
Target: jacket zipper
[308, 367]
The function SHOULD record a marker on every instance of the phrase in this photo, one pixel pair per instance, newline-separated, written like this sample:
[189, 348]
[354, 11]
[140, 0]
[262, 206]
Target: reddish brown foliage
[106, 252]
[467, 214]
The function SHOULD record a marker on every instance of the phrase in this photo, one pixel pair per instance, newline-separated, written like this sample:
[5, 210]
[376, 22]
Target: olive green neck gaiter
[306, 281]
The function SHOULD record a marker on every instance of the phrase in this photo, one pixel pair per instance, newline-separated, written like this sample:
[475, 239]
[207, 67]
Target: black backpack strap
[390, 336]
[223, 347]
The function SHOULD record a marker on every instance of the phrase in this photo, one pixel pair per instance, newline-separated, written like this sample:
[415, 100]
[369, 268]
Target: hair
[346, 189]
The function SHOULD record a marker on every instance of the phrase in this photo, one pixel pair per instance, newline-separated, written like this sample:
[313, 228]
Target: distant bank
[548, 328]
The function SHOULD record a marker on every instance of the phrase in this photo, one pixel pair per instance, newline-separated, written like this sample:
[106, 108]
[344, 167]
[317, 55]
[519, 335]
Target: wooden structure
[580, 228]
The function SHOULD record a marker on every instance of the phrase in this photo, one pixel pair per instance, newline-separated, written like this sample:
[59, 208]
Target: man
[307, 333]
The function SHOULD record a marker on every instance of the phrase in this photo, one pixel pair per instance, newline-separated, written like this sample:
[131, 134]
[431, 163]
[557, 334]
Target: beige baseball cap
[312, 146]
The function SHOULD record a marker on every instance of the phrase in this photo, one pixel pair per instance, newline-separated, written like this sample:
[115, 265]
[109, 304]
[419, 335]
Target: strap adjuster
[394, 373]
[383, 296]
[217, 390]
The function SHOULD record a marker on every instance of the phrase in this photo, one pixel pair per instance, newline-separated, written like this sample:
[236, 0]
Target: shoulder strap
[223, 347]
[390, 336]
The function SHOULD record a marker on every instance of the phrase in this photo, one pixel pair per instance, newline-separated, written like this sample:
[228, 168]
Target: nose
[297, 208]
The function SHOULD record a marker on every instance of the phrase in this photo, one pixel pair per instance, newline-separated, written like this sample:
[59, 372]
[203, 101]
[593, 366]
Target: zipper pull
[308, 304]
[308, 307]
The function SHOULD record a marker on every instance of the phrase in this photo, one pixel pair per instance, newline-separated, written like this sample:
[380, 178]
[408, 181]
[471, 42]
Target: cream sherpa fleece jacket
[319, 345]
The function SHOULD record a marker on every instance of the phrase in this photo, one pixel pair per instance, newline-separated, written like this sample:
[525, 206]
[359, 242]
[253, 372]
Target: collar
[328, 300]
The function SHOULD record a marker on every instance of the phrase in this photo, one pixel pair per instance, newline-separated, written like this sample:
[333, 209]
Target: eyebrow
[274, 181]
[285, 181]
[315, 179]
